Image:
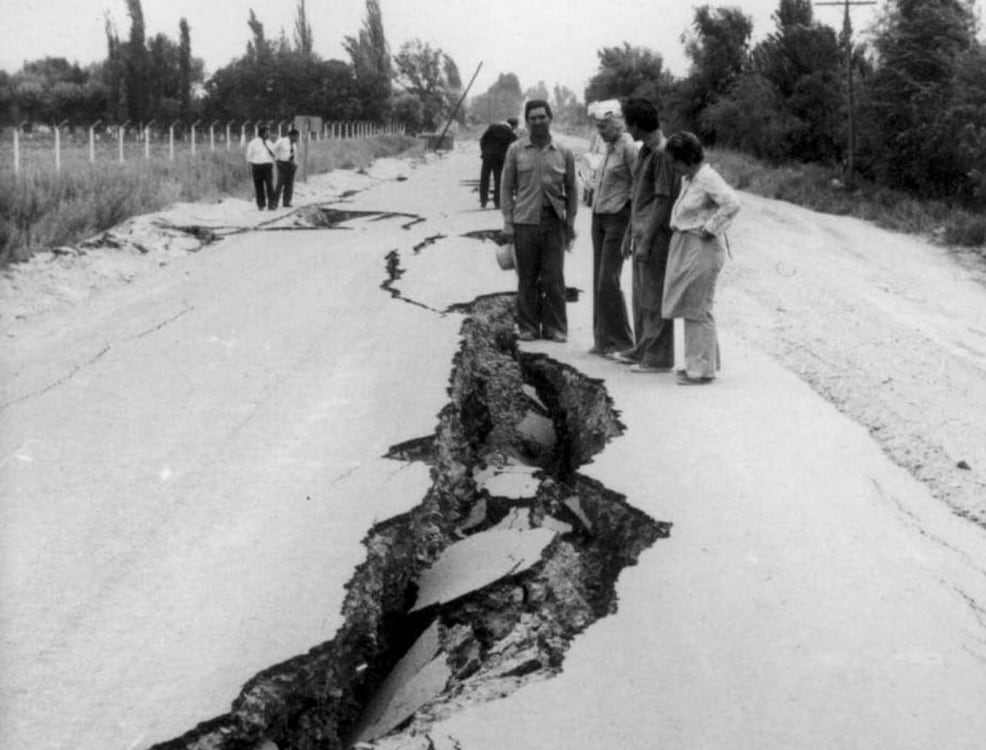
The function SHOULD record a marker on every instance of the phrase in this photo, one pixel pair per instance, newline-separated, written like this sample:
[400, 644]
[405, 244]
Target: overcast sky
[551, 40]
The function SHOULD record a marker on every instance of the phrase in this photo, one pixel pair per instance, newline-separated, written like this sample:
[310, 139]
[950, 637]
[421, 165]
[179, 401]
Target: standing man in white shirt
[287, 165]
[610, 216]
[261, 159]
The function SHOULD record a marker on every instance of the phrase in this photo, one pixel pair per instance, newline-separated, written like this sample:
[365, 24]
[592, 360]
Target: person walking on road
[648, 238]
[261, 159]
[493, 145]
[610, 216]
[286, 164]
[700, 216]
[539, 200]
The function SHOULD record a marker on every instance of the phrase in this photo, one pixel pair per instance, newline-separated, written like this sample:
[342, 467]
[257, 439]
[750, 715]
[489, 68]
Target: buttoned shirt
[614, 179]
[284, 149]
[655, 187]
[706, 203]
[259, 152]
[537, 178]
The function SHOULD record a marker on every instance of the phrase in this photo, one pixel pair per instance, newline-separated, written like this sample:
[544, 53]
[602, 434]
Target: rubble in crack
[482, 586]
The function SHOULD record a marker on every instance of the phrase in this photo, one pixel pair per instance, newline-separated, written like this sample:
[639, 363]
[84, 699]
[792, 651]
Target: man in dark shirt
[655, 187]
[493, 147]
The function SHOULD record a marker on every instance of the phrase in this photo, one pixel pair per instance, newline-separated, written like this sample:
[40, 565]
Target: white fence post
[58, 149]
[92, 141]
[121, 131]
[193, 135]
[229, 130]
[171, 141]
[147, 141]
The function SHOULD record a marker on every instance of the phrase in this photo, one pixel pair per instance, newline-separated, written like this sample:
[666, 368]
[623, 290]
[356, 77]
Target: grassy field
[819, 189]
[43, 209]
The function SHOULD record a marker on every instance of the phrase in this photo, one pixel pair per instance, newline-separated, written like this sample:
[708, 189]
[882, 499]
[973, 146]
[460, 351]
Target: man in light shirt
[539, 198]
[610, 215]
[260, 157]
[287, 165]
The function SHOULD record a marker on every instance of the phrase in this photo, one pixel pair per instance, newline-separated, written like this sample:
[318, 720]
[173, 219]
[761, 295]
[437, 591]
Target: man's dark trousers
[496, 167]
[285, 182]
[655, 335]
[610, 326]
[540, 276]
[263, 184]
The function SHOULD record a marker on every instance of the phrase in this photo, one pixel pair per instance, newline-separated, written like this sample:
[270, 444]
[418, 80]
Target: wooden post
[58, 149]
[851, 95]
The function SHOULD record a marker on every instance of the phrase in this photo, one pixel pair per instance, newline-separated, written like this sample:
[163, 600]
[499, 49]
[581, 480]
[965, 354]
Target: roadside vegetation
[41, 209]
[821, 189]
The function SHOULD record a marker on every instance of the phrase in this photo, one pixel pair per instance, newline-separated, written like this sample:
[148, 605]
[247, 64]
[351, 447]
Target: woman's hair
[641, 113]
[534, 104]
[685, 147]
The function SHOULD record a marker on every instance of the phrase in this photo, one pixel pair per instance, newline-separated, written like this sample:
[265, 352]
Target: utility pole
[847, 40]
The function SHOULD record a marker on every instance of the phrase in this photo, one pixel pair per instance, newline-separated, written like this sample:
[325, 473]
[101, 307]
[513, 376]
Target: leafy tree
[538, 91]
[258, 48]
[567, 108]
[914, 112]
[369, 54]
[627, 71]
[503, 99]
[303, 39]
[423, 70]
[789, 102]
[410, 111]
[185, 68]
[136, 62]
[718, 48]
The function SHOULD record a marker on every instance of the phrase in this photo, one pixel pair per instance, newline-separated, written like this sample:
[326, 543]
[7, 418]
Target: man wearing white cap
[610, 215]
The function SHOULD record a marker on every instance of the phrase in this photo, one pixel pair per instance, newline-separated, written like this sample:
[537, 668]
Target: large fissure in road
[483, 585]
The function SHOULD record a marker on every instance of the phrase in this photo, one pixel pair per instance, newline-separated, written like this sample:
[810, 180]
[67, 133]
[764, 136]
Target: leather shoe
[558, 338]
[623, 358]
[640, 367]
[689, 380]
[526, 336]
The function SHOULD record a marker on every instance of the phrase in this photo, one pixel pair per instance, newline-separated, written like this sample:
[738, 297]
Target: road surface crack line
[162, 324]
[61, 381]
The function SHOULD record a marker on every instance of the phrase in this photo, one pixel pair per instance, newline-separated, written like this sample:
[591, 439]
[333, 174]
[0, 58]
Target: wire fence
[31, 146]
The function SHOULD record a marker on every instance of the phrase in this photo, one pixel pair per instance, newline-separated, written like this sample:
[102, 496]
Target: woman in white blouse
[704, 209]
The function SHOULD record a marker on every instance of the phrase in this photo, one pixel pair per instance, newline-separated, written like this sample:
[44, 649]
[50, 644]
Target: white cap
[605, 109]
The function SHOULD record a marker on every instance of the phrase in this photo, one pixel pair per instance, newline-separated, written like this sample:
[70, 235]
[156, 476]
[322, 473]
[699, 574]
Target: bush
[820, 189]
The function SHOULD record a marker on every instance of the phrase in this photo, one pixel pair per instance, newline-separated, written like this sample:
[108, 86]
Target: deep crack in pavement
[429, 628]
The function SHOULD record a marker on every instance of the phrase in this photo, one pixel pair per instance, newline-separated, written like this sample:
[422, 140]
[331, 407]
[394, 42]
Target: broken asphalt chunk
[478, 561]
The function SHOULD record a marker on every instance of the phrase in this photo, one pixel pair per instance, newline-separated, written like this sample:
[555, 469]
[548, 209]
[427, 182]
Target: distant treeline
[919, 87]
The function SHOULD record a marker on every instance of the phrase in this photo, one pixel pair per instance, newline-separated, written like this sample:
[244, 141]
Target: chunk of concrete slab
[512, 480]
[478, 561]
[538, 428]
[575, 505]
[418, 678]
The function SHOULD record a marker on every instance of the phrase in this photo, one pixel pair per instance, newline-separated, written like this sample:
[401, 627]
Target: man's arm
[508, 182]
[571, 196]
[666, 185]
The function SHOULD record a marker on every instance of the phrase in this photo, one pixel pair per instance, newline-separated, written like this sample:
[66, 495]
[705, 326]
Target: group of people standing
[658, 203]
[264, 156]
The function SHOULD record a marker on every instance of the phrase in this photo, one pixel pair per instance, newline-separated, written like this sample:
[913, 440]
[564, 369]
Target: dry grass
[41, 209]
[819, 189]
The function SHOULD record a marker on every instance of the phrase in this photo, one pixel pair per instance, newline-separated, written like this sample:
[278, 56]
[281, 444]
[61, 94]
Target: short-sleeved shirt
[614, 179]
[258, 152]
[534, 178]
[656, 184]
